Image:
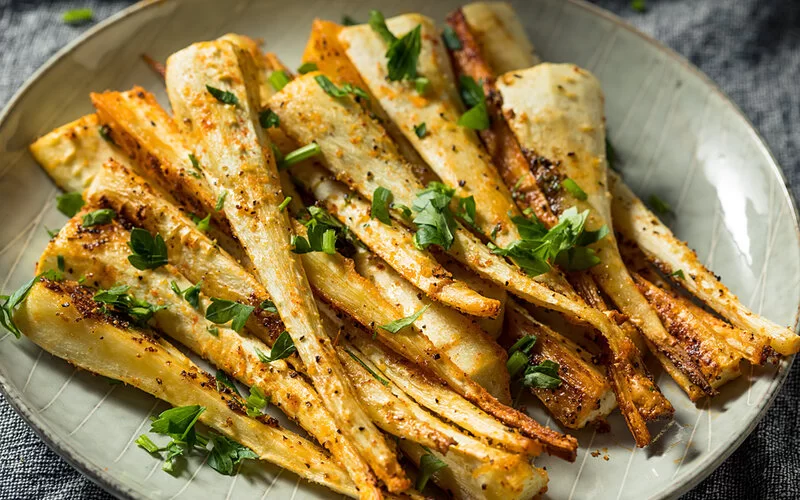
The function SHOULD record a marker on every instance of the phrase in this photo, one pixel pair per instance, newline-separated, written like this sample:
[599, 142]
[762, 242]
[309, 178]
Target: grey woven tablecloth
[751, 48]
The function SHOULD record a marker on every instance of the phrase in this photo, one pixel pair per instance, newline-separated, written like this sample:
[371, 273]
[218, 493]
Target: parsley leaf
[381, 201]
[307, 67]
[224, 381]
[435, 222]
[268, 306]
[301, 154]
[332, 90]
[565, 244]
[366, 367]
[542, 376]
[518, 355]
[105, 133]
[118, 299]
[11, 303]
[226, 454]
[322, 233]
[422, 84]
[574, 189]
[69, 204]
[349, 21]
[195, 165]
[202, 224]
[148, 252]
[191, 294]
[398, 324]
[278, 79]
[282, 348]
[60, 263]
[223, 96]
[429, 464]
[221, 311]
[147, 444]
[78, 16]
[477, 116]
[221, 201]
[269, 118]
[255, 402]
[678, 274]
[402, 53]
[178, 423]
[98, 217]
[421, 130]
[658, 205]
[467, 210]
[451, 39]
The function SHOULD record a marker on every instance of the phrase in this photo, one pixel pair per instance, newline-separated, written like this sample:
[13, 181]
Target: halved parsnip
[100, 257]
[638, 224]
[556, 113]
[584, 396]
[393, 243]
[61, 318]
[452, 151]
[457, 336]
[347, 290]
[72, 153]
[501, 37]
[237, 160]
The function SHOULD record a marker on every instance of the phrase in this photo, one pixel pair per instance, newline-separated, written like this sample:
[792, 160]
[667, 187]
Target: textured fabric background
[751, 48]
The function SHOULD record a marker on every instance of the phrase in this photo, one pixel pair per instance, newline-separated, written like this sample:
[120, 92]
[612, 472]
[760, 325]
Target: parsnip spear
[100, 257]
[500, 35]
[237, 160]
[62, 318]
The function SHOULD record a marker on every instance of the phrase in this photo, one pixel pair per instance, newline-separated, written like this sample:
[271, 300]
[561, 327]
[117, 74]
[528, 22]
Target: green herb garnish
[398, 324]
[477, 115]
[223, 96]
[98, 217]
[191, 294]
[221, 201]
[660, 206]
[118, 299]
[403, 53]
[278, 79]
[429, 464]
[349, 21]
[301, 154]
[284, 203]
[255, 402]
[221, 311]
[678, 274]
[366, 367]
[334, 91]
[78, 16]
[451, 39]
[322, 233]
[282, 348]
[223, 380]
[422, 84]
[269, 118]
[268, 306]
[202, 224]
[69, 204]
[148, 252]
[381, 201]
[574, 189]
[435, 222]
[307, 68]
[226, 454]
[11, 303]
[421, 130]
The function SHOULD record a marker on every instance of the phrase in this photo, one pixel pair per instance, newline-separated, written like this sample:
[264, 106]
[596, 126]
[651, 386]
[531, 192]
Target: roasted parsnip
[500, 35]
[62, 319]
[237, 160]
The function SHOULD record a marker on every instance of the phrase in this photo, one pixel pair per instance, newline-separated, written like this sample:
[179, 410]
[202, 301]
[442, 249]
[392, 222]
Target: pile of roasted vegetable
[388, 246]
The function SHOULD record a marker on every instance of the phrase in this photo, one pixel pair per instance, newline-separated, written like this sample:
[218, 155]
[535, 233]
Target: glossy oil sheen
[676, 134]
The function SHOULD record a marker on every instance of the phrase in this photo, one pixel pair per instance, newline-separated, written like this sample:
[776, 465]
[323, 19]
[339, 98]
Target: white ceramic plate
[675, 133]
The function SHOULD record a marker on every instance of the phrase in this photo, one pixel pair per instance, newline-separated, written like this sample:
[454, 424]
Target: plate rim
[113, 486]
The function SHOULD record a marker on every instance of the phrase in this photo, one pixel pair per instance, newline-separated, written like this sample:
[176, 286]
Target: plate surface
[675, 134]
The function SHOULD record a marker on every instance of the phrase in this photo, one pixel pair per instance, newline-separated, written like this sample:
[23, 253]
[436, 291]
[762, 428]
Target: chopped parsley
[422, 84]
[191, 294]
[223, 96]
[282, 348]
[658, 205]
[574, 189]
[381, 201]
[467, 210]
[542, 376]
[332, 90]
[52, 233]
[60, 263]
[119, 300]
[322, 233]
[221, 201]
[256, 402]
[429, 464]
[307, 67]
[269, 118]
[565, 244]
[105, 133]
[366, 367]
[278, 79]
[148, 252]
[435, 222]
[98, 217]
[301, 154]
[451, 39]
[10, 303]
[226, 454]
[477, 115]
[221, 311]
[268, 306]
[202, 224]
[78, 16]
[403, 53]
[398, 324]
[69, 204]
[223, 380]
[284, 203]
[179, 424]
[421, 130]
[678, 274]
[639, 6]
[195, 166]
